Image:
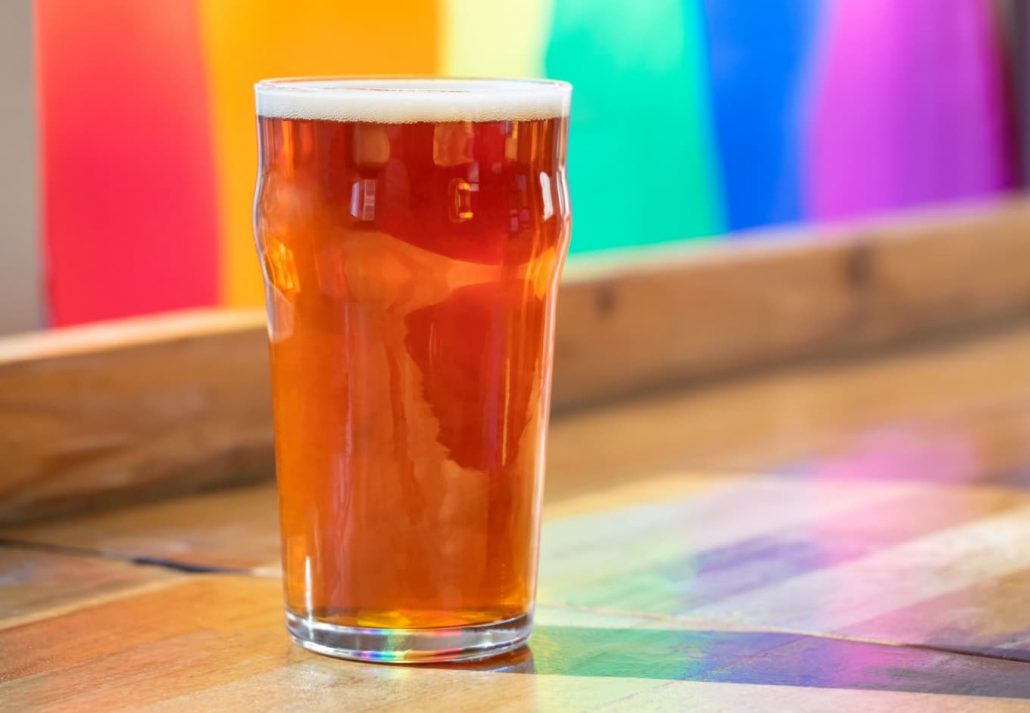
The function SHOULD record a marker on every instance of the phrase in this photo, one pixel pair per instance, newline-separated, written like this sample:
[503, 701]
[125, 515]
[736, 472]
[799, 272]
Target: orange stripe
[247, 40]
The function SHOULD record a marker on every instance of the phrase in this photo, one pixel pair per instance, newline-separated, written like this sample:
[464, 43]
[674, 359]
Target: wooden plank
[158, 635]
[751, 554]
[135, 408]
[318, 686]
[842, 596]
[217, 643]
[646, 558]
[37, 584]
[169, 404]
[953, 415]
[212, 643]
[281, 690]
[767, 657]
[990, 617]
[637, 323]
[735, 551]
[234, 530]
[965, 401]
[237, 529]
[720, 697]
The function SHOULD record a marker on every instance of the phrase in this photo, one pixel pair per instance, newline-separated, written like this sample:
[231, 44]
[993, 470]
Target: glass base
[464, 643]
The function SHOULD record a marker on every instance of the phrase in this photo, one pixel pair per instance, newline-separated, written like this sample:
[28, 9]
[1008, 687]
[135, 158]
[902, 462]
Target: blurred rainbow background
[692, 119]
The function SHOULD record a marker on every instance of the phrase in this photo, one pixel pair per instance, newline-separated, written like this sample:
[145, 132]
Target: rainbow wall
[692, 119]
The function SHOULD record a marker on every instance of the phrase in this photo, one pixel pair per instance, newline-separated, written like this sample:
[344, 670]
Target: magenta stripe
[908, 107]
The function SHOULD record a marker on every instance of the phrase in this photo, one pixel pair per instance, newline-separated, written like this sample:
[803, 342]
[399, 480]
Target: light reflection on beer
[547, 195]
[281, 267]
[461, 201]
[511, 140]
[452, 143]
[363, 199]
[371, 145]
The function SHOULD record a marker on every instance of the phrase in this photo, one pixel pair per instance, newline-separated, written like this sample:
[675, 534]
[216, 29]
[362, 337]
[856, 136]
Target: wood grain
[232, 530]
[217, 643]
[131, 409]
[36, 584]
[128, 411]
[947, 415]
[643, 323]
[910, 562]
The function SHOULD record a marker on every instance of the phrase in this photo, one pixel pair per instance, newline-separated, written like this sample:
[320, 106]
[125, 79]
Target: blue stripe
[759, 54]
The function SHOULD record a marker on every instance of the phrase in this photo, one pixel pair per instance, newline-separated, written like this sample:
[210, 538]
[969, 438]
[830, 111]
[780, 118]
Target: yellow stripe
[504, 38]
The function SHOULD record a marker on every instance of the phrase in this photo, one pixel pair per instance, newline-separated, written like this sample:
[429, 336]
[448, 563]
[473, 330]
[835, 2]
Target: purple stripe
[908, 107]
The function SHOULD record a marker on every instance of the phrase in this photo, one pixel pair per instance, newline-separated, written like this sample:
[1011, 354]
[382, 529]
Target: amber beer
[411, 233]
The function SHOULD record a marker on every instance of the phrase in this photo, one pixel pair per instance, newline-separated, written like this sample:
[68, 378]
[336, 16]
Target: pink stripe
[128, 186]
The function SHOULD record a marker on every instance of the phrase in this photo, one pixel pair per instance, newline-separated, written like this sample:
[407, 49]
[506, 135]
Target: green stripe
[642, 160]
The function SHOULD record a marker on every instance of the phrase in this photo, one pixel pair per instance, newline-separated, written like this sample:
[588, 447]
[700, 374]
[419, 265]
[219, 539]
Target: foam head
[405, 101]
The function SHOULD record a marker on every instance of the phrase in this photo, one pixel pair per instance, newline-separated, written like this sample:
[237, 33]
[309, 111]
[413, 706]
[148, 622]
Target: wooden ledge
[653, 318]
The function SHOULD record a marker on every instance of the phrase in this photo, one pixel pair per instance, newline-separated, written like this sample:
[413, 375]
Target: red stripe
[128, 178]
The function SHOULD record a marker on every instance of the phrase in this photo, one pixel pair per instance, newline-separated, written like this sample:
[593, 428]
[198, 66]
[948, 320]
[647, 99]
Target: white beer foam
[406, 101]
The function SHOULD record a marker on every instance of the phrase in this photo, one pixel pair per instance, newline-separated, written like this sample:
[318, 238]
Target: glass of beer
[411, 233]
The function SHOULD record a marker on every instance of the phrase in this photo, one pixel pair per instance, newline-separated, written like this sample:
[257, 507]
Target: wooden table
[850, 534]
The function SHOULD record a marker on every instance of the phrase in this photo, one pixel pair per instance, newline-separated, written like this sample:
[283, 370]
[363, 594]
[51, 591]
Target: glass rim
[415, 83]
[394, 99]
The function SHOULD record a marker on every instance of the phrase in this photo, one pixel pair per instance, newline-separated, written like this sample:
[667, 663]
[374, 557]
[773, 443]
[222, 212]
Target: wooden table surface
[845, 535]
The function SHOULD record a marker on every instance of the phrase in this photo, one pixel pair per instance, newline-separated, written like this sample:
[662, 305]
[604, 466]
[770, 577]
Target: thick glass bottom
[407, 646]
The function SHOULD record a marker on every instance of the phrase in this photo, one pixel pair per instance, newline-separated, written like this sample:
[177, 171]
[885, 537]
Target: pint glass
[411, 235]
